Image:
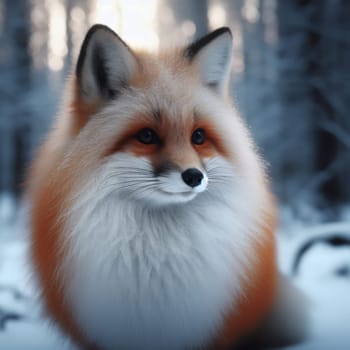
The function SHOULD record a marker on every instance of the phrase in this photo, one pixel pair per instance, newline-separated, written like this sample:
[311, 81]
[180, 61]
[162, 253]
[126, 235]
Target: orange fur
[49, 199]
[81, 109]
[47, 251]
[213, 145]
[258, 294]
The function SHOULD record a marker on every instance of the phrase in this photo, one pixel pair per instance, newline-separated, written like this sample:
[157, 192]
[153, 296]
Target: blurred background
[291, 80]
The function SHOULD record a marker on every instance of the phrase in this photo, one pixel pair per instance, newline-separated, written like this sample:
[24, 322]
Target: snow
[329, 296]
[17, 297]
[320, 279]
[323, 276]
[26, 329]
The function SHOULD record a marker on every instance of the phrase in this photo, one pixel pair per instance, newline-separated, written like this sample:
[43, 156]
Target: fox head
[157, 128]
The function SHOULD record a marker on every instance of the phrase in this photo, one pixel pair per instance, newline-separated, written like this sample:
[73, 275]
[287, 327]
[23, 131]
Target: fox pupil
[147, 136]
[198, 137]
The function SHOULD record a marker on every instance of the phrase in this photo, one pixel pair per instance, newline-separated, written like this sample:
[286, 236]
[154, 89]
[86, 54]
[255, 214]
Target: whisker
[141, 190]
[132, 175]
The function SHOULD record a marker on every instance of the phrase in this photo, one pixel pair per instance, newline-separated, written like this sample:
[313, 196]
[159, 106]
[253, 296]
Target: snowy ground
[324, 276]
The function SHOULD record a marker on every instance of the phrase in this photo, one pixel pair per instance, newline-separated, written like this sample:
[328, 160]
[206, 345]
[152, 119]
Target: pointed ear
[105, 65]
[212, 57]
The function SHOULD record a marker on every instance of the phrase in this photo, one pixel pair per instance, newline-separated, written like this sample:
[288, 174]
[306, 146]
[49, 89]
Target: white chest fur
[154, 279]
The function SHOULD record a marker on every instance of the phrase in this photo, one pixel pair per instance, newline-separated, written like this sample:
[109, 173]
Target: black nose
[192, 177]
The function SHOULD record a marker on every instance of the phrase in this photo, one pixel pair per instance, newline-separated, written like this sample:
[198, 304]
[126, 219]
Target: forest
[290, 80]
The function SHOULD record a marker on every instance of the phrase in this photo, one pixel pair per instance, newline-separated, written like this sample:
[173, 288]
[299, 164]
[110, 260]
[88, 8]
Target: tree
[16, 78]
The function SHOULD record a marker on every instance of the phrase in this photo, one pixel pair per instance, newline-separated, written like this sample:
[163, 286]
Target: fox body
[152, 221]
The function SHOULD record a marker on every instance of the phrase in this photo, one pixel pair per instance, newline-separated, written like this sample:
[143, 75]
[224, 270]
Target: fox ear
[105, 64]
[212, 57]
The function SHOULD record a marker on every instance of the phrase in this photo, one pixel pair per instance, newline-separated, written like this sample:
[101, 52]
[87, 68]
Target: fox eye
[147, 136]
[198, 137]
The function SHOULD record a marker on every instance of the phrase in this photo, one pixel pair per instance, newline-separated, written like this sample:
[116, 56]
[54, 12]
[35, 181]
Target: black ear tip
[221, 31]
[195, 47]
[97, 27]
[90, 33]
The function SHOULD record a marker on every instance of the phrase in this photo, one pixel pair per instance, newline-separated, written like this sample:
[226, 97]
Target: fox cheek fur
[152, 221]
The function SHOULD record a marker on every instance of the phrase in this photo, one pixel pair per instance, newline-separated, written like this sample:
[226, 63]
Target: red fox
[152, 220]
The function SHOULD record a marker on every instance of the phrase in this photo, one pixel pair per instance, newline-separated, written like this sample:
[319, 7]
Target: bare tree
[15, 82]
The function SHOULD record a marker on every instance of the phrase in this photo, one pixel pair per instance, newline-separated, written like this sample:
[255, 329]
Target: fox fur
[127, 254]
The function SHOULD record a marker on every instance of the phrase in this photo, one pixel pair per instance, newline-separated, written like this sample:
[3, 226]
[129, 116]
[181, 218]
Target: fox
[151, 214]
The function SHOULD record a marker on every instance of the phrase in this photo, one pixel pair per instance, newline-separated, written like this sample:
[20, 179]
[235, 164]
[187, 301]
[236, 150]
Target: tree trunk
[15, 83]
[296, 141]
